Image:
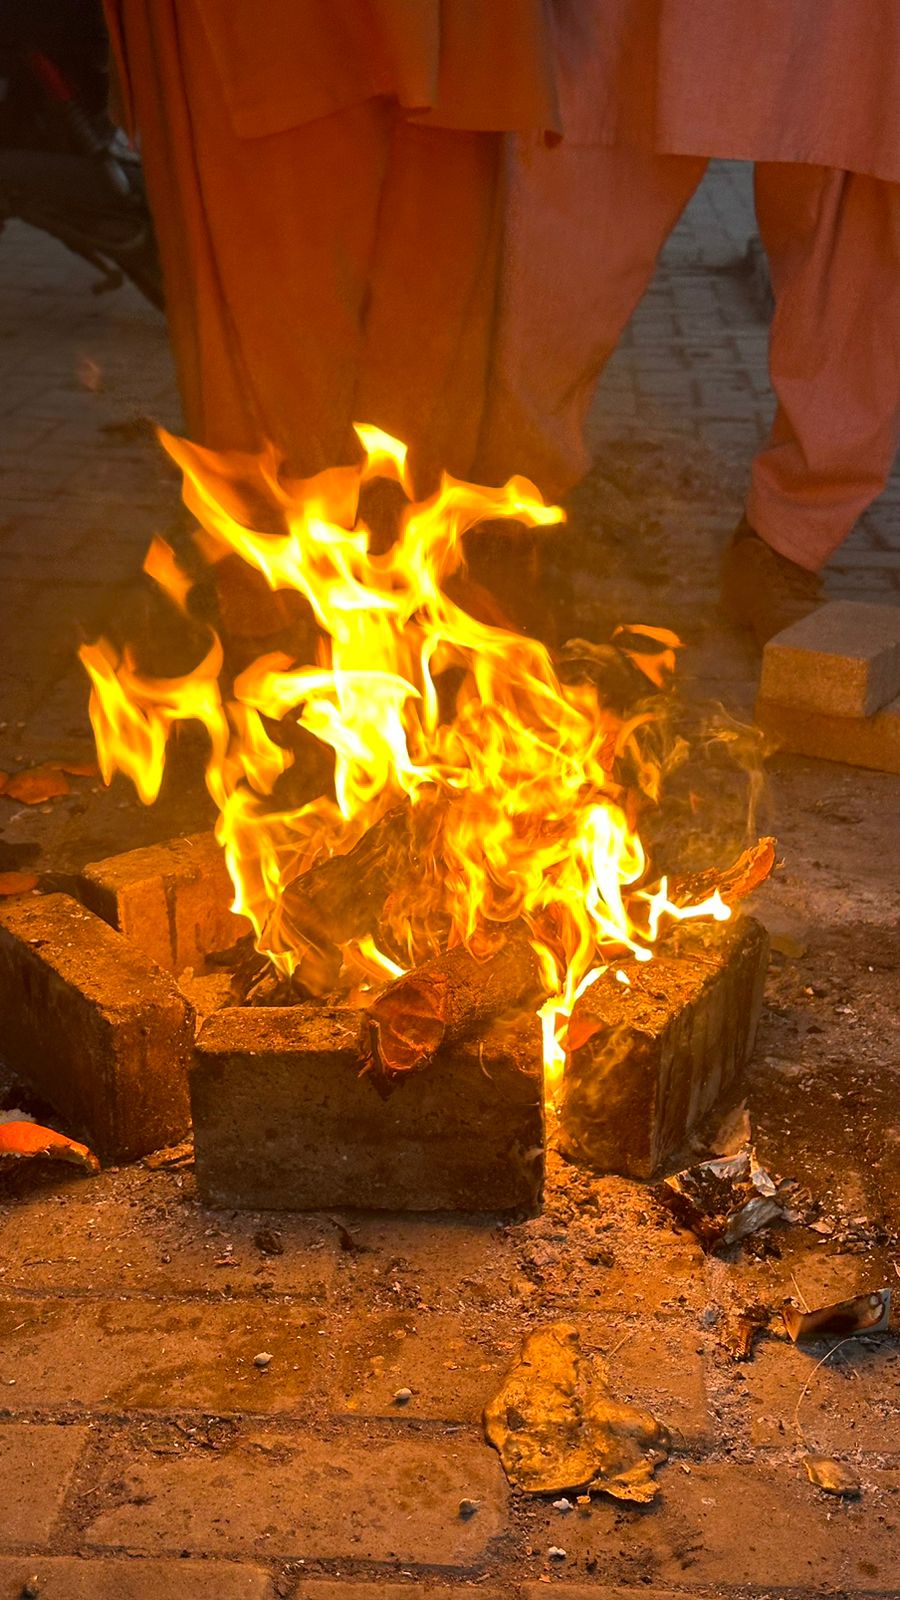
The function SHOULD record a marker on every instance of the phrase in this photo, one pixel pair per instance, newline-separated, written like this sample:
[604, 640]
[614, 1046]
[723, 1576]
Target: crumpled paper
[726, 1200]
[557, 1426]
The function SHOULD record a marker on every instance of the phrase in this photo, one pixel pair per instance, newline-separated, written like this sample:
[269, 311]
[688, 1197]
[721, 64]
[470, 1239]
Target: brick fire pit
[285, 1116]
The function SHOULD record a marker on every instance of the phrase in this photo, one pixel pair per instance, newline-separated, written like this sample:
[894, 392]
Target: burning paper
[724, 1201]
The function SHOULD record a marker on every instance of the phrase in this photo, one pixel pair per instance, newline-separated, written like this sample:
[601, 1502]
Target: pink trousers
[585, 227]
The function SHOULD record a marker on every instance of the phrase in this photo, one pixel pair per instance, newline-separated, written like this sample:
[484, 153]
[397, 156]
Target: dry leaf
[557, 1426]
[866, 1313]
[75, 769]
[17, 882]
[37, 784]
[832, 1476]
[29, 1139]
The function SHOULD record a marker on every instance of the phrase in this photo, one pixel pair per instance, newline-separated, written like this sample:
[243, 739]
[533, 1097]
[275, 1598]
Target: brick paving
[142, 1453]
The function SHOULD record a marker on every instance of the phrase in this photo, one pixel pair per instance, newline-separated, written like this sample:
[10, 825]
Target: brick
[852, 1403]
[134, 1231]
[663, 1051]
[79, 1578]
[378, 1589]
[436, 1260]
[296, 1496]
[657, 1364]
[36, 1465]
[727, 1525]
[451, 1368]
[137, 1355]
[858, 741]
[582, 1591]
[172, 900]
[97, 1029]
[842, 660]
[285, 1117]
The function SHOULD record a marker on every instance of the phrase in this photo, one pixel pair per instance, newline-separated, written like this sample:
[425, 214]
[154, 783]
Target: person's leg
[584, 228]
[833, 242]
[266, 247]
[429, 320]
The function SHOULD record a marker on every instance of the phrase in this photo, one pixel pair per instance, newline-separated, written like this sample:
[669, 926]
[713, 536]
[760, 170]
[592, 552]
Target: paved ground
[142, 1454]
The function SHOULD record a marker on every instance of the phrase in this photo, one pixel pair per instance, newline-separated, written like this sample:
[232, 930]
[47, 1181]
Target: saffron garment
[325, 181]
[648, 92]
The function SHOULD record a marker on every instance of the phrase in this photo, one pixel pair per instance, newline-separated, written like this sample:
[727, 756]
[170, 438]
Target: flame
[521, 775]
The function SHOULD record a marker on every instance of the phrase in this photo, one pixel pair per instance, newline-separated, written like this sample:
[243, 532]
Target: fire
[515, 774]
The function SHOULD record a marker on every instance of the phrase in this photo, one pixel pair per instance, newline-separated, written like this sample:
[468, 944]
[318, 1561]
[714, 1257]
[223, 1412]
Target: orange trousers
[341, 270]
[585, 226]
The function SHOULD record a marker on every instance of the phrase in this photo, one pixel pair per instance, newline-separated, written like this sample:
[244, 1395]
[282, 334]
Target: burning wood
[448, 999]
[733, 884]
[342, 897]
[497, 787]
[479, 786]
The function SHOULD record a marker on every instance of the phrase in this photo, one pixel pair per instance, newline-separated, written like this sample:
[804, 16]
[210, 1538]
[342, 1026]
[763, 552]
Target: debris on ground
[741, 1330]
[726, 1200]
[12, 883]
[865, 1313]
[29, 1140]
[835, 1477]
[557, 1426]
[34, 786]
[175, 1155]
[468, 1508]
[269, 1242]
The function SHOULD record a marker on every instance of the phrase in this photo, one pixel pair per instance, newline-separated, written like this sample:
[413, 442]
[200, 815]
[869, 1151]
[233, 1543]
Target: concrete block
[284, 1117]
[94, 1026]
[858, 741]
[37, 1461]
[295, 1495]
[172, 899]
[167, 1355]
[788, 1536]
[649, 1061]
[841, 661]
[122, 1578]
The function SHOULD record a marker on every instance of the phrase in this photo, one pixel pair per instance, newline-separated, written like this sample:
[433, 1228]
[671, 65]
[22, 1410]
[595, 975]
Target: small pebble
[402, 1396]
[31, 1589]
[562, 1505]
[555, 1554]
[262, 1360]
[468, 1508]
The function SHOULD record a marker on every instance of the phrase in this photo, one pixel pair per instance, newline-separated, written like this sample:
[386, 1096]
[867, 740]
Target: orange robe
[325, 181]
[649, 90]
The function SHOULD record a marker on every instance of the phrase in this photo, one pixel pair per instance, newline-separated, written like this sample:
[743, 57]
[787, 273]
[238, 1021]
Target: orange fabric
[342, 269]
[585, 228]
[833, 241]
[763, 80]
[454, 63]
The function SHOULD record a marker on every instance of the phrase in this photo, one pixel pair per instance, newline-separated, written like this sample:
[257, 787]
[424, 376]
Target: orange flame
[535, 825]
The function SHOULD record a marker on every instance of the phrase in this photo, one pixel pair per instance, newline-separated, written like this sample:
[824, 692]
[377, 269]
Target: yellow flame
[521, 770]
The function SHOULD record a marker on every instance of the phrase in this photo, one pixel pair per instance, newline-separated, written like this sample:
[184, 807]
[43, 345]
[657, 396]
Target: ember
[506, 799]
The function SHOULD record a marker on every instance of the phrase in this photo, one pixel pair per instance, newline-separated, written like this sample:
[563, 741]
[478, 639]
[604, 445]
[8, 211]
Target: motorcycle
[64, 167]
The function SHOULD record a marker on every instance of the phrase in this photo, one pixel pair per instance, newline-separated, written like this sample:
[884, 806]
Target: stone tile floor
[142, 1454]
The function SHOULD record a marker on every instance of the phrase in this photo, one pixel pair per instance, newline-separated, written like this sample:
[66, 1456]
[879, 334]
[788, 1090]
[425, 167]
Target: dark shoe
[763, 590]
